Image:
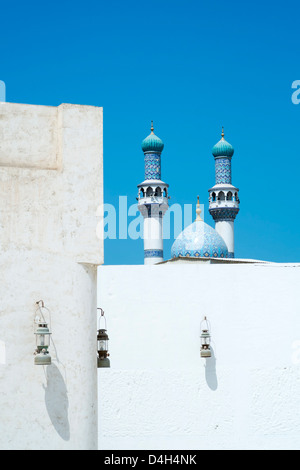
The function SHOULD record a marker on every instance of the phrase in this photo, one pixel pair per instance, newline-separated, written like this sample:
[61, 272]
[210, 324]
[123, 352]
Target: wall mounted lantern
[42, 333]
[102, 341]
[205, 340]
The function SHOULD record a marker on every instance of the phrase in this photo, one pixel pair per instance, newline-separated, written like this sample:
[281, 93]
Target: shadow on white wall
[57, 402]
[211, 372]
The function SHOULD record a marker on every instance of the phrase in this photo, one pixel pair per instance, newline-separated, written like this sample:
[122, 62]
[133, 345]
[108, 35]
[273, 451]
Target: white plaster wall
[225, 228]
[30, 139]
[50, 188]
[159, 393]
[153, 237]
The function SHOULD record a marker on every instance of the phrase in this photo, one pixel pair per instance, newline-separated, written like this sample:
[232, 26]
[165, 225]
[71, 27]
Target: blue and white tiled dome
[152, 143]
[199, 240]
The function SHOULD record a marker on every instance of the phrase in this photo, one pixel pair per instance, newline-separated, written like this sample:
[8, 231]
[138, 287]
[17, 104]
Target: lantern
[102, 342]
[42, 334]
[205, 341]
[42, 357]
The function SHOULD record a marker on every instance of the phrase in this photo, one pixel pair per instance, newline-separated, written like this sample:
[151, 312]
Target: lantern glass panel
[102, 345]
[43, 340]
[205, 338]
[43, 336]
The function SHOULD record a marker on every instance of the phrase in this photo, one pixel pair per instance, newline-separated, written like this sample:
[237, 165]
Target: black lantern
[102, 342]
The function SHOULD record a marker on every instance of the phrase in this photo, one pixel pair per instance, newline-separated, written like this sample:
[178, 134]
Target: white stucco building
[50, 189]
[159, 393]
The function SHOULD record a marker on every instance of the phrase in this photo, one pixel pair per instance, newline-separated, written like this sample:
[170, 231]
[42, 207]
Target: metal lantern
[102, 342]
[42, 357]
[205, 341]
[42, 333]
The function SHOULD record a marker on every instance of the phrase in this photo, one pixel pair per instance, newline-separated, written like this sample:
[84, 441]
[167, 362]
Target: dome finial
[198, 210]
[152, 128]
[223, 132]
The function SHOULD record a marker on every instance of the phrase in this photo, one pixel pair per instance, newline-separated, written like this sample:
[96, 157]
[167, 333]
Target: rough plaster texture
[50, 190]
[159, 393]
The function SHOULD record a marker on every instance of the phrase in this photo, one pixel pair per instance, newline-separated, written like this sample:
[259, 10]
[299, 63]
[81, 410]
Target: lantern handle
[207, 323]
[101, 315]
[41, 305]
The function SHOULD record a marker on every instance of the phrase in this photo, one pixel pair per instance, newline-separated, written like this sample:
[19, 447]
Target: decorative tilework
[152, 166]
[199, 240]
[153, 253]
[223, 170]
[230, 255]
[221, 214]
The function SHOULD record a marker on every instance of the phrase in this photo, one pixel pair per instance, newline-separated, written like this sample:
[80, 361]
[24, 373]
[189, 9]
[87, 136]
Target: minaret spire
[198, 210]
[223, 196]
[153, 199]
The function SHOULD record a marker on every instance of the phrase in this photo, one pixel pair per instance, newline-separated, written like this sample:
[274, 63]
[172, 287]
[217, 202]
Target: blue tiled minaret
[223, 196]
[153, 199]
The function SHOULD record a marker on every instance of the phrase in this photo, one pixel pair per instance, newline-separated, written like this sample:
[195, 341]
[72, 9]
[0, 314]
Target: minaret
[223, 197]
[153, 199]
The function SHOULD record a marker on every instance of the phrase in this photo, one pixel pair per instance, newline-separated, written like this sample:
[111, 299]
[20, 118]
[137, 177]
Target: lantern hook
[40, 306]
[207, 323]
[101, 315]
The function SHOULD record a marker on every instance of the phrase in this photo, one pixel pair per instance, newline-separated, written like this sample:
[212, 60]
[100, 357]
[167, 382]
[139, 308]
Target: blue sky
[192, 67]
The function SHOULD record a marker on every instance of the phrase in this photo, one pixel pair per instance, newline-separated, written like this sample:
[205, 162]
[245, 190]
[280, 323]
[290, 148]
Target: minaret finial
[198, 210]
[152, 128]
[223, 132]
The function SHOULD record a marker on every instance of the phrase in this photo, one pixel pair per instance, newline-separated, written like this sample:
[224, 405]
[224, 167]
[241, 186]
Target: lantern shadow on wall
[211, 372]
[57, 402]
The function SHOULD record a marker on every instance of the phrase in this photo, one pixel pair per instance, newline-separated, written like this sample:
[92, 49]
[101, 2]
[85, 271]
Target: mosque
[198, 240]
[163, 390]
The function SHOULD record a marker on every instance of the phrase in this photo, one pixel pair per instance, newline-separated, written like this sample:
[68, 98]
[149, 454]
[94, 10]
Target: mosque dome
[199, 240]
[223, 148]
[152, 143]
